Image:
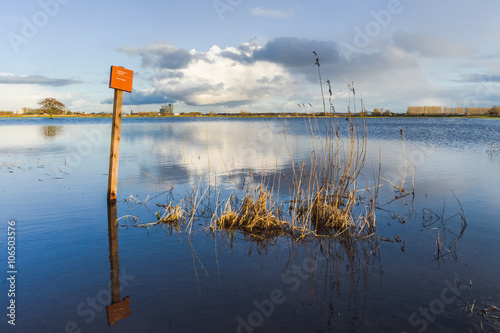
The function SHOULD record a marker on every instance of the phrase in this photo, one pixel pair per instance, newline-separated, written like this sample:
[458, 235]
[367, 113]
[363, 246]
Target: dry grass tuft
[328, 214]
[255, 215]
[323, 193]
[173, 217]
[172, 214]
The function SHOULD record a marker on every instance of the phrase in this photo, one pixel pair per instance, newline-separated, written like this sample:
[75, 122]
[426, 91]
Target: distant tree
[416, 110]
[387, 113]
[51, 106]
[447, 110]
[376, 112]
[495, 111]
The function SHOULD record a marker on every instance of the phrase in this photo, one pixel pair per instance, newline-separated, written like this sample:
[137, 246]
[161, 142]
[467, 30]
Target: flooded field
[430, 263]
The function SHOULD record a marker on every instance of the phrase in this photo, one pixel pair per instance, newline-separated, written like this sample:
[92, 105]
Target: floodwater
[71, 267]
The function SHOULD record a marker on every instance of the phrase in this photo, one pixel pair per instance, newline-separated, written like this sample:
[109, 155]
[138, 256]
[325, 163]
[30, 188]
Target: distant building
[167, 109]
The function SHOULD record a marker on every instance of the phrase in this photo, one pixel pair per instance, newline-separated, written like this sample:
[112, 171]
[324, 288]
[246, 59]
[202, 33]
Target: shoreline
[337, 115]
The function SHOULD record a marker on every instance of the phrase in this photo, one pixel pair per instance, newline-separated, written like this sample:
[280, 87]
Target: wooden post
[120, 80]
[115, 145]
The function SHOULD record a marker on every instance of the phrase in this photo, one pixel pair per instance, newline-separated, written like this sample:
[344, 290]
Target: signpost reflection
[119, 309]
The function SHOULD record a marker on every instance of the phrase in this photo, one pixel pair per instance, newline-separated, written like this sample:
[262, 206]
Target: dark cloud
[296, 52]
[170, 75]
[238, 57]
[376, 63]
[275, 80]
[230, 104]
[177, 59]
[161, 56]
[37, 79]
[189, 95]
[297, 56]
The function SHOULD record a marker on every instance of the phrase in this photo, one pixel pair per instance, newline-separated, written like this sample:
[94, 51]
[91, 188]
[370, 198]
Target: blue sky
[232, 55]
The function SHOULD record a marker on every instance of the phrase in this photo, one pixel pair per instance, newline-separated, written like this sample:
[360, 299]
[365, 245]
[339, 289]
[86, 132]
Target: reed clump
[328, 214]
[323, 195]
[256, 214]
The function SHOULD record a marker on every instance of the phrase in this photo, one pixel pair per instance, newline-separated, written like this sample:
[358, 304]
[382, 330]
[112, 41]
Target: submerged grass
[171, 218]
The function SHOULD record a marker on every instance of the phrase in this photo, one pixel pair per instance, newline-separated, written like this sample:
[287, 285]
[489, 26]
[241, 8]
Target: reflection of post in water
[119, 309]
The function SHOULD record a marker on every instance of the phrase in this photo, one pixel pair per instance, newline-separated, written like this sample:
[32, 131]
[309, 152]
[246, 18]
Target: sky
[251, 55]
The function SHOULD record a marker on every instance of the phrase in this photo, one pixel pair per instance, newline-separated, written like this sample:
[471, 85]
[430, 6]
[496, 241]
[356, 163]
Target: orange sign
[121, 78]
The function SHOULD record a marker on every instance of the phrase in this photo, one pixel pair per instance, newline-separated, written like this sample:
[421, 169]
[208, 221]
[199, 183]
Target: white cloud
[213, 78]
[273, 13]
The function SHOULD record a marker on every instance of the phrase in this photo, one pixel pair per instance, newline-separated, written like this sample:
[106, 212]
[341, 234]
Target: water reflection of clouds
[224, 148]
[178, 149]
[19, 137]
